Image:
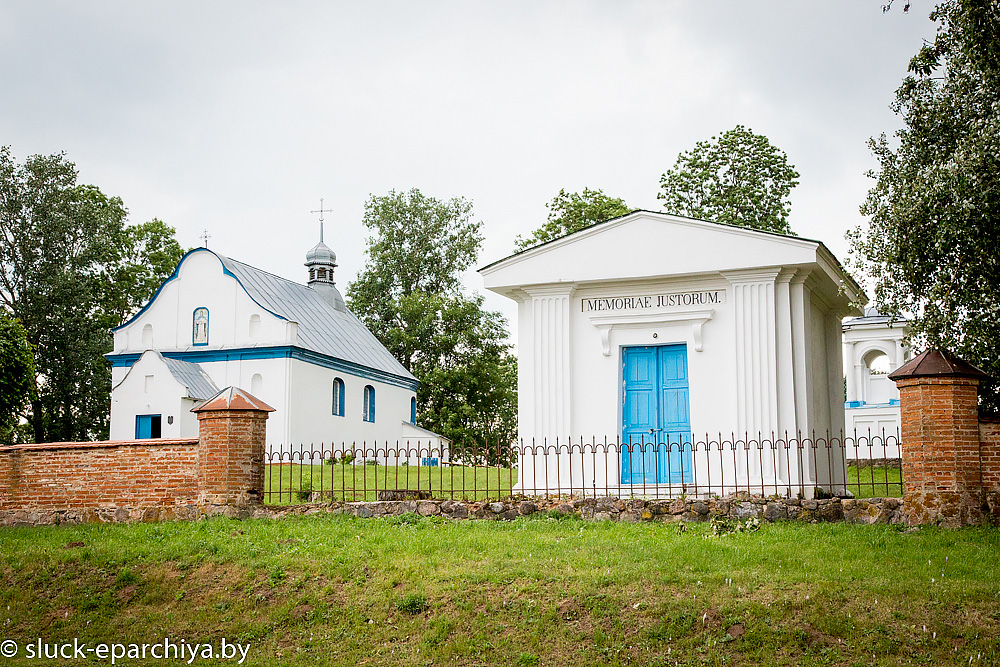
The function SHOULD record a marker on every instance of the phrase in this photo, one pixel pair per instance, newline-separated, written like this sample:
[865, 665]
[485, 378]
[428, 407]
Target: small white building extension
[217, 322]
[873, 348]
[667, 334]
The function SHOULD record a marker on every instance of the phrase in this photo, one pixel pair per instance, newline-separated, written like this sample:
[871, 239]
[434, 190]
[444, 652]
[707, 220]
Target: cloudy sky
[236, 117]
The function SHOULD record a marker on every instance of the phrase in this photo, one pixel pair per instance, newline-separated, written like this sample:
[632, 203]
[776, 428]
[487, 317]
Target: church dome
[321, 254]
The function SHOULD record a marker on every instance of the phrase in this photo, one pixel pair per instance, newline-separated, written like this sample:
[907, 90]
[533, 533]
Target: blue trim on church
[279, 352]
[173, 275]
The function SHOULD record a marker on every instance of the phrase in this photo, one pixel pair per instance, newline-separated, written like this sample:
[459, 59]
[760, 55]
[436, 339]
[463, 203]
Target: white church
[655, 329]
[216, 322]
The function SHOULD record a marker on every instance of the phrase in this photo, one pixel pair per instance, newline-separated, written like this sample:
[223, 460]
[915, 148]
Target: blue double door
[656, 422]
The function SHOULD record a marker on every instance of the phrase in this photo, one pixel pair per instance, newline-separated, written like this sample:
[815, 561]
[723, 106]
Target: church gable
[214, 305]
[201, 306]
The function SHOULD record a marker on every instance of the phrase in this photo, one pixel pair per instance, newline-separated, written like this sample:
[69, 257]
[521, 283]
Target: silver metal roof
[192, 376]
[321, 328]
[872, 316]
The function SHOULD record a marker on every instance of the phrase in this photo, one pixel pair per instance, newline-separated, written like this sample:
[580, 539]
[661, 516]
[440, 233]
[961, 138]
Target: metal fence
[860, 465]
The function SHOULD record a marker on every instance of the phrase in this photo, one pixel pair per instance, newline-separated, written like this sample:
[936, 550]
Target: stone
[497, 508]
[428, 508]
[700, 508]
[565, 508]
[810, 504]
[677, 507]
[605, 516]
[831, 512]
[775, 512]
[526, 508]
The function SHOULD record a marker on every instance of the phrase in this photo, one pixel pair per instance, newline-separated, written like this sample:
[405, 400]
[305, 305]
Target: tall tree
[17, 375]
[738, 178]
[572, 211]
[410, 296]
[70, 270]
[931, 244]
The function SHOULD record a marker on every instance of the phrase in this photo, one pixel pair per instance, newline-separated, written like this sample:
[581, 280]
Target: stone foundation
[858, 511]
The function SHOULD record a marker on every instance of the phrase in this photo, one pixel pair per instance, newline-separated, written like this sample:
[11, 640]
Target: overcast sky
[236, 117]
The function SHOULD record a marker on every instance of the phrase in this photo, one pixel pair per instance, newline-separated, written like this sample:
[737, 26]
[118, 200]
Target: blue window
[369, 407]
[199, 327]
[338, 397]
[413, 409]
[147, 426]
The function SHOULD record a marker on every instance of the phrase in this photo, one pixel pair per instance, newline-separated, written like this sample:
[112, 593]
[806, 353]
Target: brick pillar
[942, 473]
[231, 433]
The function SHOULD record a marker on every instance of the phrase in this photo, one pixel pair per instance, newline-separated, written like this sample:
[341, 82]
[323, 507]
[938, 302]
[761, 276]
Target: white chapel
[217, 322]
[655, 327]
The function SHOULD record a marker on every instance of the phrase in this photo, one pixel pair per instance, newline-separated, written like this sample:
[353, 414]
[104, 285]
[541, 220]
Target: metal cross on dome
[205, 236]
[321, 211]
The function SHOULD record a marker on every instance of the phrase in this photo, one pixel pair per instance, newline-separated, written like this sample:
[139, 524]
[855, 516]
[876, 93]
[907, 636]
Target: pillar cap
[934, 362]
[232, 398]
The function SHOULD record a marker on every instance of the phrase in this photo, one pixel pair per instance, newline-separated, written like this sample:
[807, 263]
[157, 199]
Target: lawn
[335, 590]
[295, 483]
[875, 482]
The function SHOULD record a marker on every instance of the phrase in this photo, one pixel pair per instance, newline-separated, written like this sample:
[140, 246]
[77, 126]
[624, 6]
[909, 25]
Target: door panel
[655, 416]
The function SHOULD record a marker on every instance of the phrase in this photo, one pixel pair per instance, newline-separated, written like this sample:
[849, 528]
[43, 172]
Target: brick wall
[98, 475]
[158, 479]
[989, 438]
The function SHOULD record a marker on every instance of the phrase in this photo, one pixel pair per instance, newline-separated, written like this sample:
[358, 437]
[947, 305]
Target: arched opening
[878, 387]
[256, 384]
[254, 327]
[338, 397]
[369, 404]
[413, 409]
[147, 337]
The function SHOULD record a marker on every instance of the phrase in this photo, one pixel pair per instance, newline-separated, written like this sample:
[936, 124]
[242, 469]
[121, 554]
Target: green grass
[294, 483]
[875, 482]
[333, 590]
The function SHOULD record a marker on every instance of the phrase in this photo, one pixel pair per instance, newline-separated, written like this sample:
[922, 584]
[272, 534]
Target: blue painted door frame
[147, 426]
[656, 422]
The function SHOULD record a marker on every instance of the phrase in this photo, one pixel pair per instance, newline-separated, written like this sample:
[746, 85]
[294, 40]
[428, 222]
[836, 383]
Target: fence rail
[861, 465]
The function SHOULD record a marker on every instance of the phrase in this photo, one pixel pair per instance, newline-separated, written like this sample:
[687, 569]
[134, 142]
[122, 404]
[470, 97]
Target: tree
[931, 243]
[572, 211]
[738, 178]
[17, 374]
[410, 296]
[70, 270]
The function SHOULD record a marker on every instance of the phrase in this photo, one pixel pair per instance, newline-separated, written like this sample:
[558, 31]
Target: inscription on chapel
[613, 303]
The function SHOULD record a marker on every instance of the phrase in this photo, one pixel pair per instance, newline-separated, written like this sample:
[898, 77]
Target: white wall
[162, 395]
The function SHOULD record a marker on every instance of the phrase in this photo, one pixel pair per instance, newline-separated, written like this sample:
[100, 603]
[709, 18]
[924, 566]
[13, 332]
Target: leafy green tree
[738, 178]
[930, 247]
[17, 375]
[410, 296]
[572, 211]
[70, 270]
